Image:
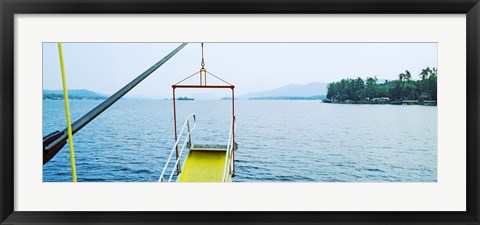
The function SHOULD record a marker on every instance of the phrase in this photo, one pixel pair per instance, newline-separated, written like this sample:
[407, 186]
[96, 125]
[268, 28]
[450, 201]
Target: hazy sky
[106, 67]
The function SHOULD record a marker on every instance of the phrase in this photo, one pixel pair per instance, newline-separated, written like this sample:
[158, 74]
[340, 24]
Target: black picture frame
[9, 8]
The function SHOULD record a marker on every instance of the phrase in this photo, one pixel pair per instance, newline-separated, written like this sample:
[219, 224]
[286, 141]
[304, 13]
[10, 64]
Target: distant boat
[185, 99]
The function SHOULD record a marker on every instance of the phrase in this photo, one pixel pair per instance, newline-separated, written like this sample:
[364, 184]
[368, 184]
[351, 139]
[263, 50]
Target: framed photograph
[157, 112]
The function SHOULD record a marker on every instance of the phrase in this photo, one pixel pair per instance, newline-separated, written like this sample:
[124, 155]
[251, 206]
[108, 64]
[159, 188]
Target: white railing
[229, 152]
[186, 142]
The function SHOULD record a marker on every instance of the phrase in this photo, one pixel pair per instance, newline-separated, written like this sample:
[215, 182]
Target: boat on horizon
[185, 99]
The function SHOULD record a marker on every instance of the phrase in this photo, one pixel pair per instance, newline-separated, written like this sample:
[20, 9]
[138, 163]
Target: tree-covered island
[405, 90]
[78, 94]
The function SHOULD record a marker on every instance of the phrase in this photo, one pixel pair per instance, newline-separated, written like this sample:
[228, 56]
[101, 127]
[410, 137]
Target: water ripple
[279, 141]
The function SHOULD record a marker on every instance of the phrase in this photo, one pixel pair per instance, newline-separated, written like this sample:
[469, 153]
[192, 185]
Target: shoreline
[403, 102]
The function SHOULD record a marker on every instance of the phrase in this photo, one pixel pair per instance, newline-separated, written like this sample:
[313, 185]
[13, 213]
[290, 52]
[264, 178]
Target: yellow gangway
[203, 162]
[203, 165]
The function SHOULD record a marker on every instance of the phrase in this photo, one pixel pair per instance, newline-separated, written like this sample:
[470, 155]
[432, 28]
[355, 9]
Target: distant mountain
[72, 94]
[313, 90]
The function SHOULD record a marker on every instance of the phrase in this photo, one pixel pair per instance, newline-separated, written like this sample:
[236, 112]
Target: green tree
[407, 76]
[401, 76]
[358, 89]
[403, 88]
[371, 87]
[425, 73]
[432, 84]
[332, 91]
[395, 89]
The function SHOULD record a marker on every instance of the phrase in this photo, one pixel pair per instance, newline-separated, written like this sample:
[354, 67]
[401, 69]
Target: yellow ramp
[203, 166]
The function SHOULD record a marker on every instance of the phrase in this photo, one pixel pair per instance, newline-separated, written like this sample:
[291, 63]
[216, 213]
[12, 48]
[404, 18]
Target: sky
[251, 67]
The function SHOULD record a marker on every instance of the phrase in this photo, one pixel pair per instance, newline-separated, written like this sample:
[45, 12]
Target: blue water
[279, 141]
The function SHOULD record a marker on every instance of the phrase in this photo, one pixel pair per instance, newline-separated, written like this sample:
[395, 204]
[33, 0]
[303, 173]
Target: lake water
[279, 141]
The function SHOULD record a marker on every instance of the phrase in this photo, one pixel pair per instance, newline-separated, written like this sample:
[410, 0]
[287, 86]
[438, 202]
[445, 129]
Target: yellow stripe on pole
[67, 113]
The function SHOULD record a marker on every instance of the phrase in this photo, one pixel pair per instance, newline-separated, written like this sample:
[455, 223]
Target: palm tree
[434, 72]
[401, 76]
[424, 73]
[407, 76]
